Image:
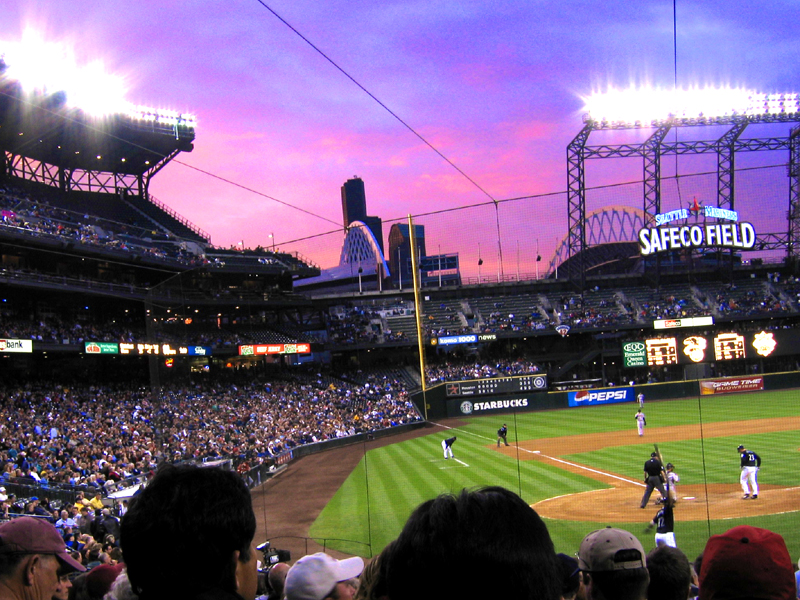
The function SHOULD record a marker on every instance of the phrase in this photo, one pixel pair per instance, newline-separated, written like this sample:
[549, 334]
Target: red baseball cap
[747, 562]
[29, 535]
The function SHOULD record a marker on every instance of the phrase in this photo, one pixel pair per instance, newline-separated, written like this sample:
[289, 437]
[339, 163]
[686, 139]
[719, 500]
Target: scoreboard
[496, 385]
[700, 348]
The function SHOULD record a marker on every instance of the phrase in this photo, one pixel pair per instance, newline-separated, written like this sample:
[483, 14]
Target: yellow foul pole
[412, 240]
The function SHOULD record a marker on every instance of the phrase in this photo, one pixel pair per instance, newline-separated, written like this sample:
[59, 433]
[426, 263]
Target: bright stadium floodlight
[651, 107]
[43, 67]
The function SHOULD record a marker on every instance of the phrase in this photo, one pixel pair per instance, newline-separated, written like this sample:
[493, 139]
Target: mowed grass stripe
[415, 465]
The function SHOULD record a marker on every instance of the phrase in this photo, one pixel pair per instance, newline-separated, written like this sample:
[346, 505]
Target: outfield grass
[375, 501]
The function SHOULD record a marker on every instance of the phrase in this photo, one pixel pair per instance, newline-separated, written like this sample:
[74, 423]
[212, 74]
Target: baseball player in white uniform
[640, 422]
[672, 479]
[751, 463]
[447, 446]
[640, 398]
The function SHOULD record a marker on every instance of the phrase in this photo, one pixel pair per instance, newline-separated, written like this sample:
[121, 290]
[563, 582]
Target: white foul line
[553, 458]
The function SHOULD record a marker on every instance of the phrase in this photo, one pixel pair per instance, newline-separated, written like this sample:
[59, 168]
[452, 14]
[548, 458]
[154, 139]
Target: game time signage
[731, 233]
[720, 347]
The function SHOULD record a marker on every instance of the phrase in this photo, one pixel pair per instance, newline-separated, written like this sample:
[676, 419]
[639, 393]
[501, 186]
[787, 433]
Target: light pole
[480, 262]
[440, 265]
[272, 237]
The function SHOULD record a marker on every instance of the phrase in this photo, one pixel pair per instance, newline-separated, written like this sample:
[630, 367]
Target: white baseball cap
[314, 576]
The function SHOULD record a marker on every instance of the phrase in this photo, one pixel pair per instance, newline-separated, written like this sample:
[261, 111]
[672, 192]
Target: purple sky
[493, 86]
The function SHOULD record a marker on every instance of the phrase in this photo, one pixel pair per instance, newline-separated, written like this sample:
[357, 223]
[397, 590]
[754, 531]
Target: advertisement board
[259, 349]
[601, 396]
[16, 345]
[731, 385]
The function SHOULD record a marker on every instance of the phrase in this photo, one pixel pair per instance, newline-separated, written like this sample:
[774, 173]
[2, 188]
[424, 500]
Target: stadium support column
[726, 152]
[412, 240]
[793, 245]
[651, 153]
[576, 202]
[651, 178]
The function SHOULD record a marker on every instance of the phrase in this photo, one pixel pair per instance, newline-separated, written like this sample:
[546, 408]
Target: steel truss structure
[655, 147]
[82, 180]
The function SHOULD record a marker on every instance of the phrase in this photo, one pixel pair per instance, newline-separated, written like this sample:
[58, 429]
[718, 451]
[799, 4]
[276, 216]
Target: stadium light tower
[659, 111]
[650, 107]
[44, 67]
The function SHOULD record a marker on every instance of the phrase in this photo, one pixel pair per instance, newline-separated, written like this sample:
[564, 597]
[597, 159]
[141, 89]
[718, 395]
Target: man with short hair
[205, 517]
[447, 538]
[32, 556]
[747, 562]
[613, 565]
[670, 574]
[277, 580]
[320, 576]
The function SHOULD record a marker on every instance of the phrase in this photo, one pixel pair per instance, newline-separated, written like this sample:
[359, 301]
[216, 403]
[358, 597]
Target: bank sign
[601, 396]
[731, 234]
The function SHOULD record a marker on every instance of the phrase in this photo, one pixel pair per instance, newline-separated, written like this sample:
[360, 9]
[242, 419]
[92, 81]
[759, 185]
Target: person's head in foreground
[670, 574]
[319, 576]
[613, 565]
[32, 559]
[204, 516]
[747, 562]
[448, 541]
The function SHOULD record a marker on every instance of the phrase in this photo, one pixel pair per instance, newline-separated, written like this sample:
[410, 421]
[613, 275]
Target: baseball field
[582, 469]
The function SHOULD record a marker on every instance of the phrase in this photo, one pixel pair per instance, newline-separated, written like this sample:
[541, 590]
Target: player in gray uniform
[750, 462]
[641, 421]
[653, 479]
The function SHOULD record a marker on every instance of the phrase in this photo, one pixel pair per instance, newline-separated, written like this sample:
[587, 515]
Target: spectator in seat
[321, 577]
[32, 557]
[205, 516]
[444, 539]
[747, 562]
[670, 574]
[613, 565]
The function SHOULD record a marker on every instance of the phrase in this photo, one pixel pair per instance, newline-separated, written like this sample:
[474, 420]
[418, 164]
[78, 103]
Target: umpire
[502, 433]
[653, 478]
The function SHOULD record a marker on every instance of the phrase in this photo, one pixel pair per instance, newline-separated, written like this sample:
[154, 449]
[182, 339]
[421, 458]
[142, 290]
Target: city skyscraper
[354, 208]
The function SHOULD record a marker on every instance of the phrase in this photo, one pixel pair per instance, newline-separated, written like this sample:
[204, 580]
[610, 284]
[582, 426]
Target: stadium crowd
[94, 436]
[455, 371]
[19, 212]
[212, 555]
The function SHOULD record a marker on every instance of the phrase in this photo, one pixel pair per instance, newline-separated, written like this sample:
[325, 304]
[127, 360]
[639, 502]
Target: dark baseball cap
[29, 535]
[740, 447]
